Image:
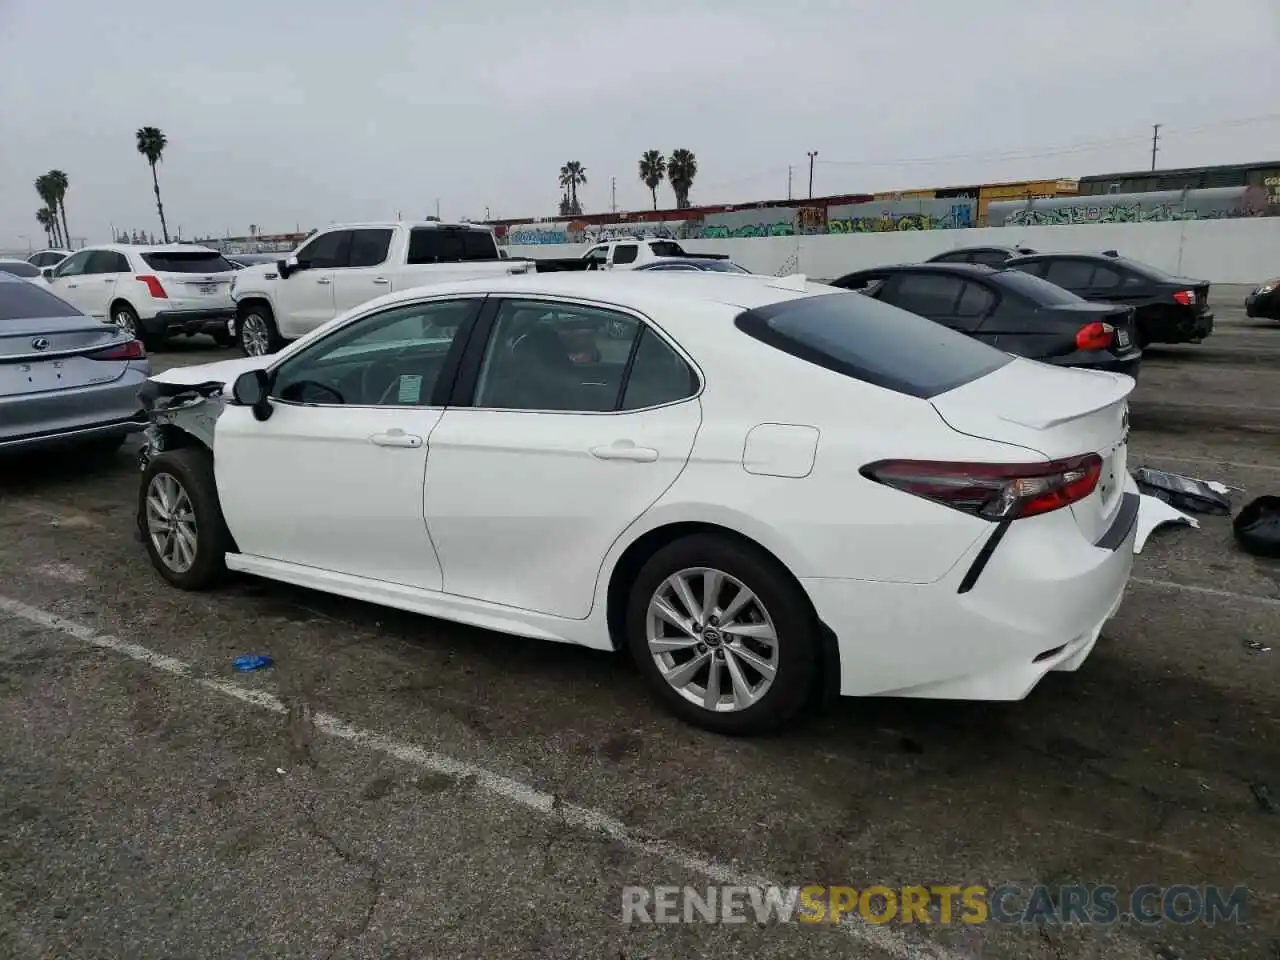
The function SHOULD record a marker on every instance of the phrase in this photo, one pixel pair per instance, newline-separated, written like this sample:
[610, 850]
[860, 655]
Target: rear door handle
[381, 280]
[323, 280]
[395, 438]
[625, 450]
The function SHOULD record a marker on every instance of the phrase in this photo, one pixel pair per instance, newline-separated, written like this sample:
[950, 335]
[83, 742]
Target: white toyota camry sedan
[766, 490]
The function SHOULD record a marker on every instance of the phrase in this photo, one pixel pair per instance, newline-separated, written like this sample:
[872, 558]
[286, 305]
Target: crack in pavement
[374, 880]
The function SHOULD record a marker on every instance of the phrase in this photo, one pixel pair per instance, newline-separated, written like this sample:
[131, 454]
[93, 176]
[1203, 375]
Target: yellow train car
[1034, 189]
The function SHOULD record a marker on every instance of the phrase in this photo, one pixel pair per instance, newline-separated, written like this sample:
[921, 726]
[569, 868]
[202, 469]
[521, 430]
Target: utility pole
[613, 193]
[437, 208]
[788, 181]
[812, 154]
[1155, 138]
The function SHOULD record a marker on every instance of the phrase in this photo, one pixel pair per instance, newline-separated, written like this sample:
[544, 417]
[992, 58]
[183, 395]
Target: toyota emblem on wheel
[40, 343]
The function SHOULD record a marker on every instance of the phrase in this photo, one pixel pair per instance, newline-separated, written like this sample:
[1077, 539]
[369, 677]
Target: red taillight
[1186, 297]
[1095, 336]
[993, 491]
[153, 286]
[132, 350]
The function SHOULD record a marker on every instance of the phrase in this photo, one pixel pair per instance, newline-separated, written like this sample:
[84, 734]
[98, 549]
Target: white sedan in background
[764, 488]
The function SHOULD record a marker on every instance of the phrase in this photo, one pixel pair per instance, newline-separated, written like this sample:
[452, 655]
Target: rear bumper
[1265, 306]
[28, 422]
[1129, 365]
[208, 320]
[1038, 604]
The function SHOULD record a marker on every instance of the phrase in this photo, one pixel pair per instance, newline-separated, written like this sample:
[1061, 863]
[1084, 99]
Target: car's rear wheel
[257, 332]
[181, 519]
[724, 635]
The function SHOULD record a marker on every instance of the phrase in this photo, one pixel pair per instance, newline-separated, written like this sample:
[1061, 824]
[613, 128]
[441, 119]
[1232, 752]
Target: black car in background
[1169, 309]
[1264, 302]
[1013, 311]
[991, 256]
[691, 264]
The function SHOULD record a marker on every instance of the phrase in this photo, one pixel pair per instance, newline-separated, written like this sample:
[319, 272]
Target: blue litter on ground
[252, 662]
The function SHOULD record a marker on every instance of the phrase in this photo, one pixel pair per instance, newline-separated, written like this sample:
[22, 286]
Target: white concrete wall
[1219, 251]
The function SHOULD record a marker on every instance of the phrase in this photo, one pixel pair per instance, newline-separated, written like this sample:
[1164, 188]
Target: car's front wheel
[181, 519]
[724, 635]
[257, 331]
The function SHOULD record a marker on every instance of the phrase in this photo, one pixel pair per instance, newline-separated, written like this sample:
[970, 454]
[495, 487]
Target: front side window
[873, 342]
[555, 356]
[327, 251]
[392, 358]
[596, 255]
[74, 265]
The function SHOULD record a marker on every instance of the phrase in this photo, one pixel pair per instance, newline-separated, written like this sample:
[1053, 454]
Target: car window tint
[74, 265]
[20, 300]
[658, 375]
[990, 258]
[392, 358]
[975, 300]
[597, 255]
[20, 269]
[1072, 274]
[1038, 290]
[873, 342]
[1035, 268]
[724, 266]
[369, 247]
[186, 261]
[1104, 276]
[928, 294]
[957, 256]
[625, 253]
[450, 245]
[543, 355]
[1147, 272]
[327, 251]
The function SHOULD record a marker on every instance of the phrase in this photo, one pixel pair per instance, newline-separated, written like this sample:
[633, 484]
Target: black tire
[261, 312]
[126, 318]
[796, 627]
[192, 469]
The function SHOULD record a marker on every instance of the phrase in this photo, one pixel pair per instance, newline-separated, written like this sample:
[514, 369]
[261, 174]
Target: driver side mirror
[287, 266]
[47, 273]
[252, 389]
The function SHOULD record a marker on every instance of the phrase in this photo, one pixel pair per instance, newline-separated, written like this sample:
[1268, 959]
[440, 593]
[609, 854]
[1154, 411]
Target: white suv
[151, 292]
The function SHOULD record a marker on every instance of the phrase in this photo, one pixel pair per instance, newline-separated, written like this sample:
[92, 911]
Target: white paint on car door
[98, 285]
[69, 279]
[370, 270]
[304, 300]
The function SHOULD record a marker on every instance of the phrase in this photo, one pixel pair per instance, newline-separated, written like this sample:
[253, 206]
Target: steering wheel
[377, 379]
[298, 386]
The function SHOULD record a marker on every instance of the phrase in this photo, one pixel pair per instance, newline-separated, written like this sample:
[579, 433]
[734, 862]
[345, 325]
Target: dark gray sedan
[66, 379]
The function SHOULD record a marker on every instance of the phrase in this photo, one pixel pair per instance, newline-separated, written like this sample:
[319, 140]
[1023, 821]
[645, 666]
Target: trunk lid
[191, 274]
[43, 354]
[1058, 412]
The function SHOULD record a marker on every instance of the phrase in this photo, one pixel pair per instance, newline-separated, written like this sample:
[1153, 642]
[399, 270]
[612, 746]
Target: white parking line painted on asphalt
[888, 940]
[1209, 591]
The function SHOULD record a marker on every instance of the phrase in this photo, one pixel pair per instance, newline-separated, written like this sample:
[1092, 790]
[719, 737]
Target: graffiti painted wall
[885, 216]
[1216, 203]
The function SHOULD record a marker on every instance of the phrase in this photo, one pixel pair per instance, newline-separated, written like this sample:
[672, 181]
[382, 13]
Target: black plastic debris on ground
[1183, 493]
[1257, 527]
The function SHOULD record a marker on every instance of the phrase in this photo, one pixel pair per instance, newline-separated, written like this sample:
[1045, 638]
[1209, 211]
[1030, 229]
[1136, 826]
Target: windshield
[183, 261]
[19, 269]
[20, 300]
[873, 342]
[1035, 288]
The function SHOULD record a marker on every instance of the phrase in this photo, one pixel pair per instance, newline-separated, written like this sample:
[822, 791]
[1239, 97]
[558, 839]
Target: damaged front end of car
[180, 414]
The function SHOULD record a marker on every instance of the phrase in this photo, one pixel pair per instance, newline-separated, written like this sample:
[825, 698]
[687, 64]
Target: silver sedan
[66, 379]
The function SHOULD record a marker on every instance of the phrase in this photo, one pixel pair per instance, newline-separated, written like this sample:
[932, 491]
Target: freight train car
[1210, 204]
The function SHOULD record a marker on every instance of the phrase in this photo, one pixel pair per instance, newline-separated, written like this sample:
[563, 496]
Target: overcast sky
[304, 113]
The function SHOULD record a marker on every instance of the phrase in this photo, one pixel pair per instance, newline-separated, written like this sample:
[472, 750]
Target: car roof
[971, 269]
[150, 248]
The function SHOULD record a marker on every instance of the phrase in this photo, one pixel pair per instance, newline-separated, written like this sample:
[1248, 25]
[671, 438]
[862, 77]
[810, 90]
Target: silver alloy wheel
[125, 321]
[171, 522]
[712, 639]
[254, 335]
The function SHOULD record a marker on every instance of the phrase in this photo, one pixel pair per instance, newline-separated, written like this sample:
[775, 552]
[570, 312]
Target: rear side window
[1148, 272]
[665, 248]
[20, 300]
[16, 269]
[442, 245]
[1039, 291]
[625, 253]
[182, 261]
[1072, 274]
[658, 375]
[873, 342]
[369, 247]
[929, 294]
[975, 301]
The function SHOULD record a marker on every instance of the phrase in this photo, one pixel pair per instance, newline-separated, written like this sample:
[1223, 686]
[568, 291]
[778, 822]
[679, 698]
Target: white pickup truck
[624, 254]
[343, 266]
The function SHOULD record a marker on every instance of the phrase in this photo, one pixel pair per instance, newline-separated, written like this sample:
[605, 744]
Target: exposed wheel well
[827, 680]
[242, 307]
[120, 302]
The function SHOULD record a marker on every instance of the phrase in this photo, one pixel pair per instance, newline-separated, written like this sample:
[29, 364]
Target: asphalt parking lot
[398, 787]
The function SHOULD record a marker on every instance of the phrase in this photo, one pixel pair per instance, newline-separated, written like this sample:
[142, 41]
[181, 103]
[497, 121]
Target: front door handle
[396, 438]
[323, 280]
[381, 280]
[625, 450]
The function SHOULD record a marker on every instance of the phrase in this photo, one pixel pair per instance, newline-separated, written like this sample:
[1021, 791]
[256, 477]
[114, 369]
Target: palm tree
[60, 186]
[572, 175]
[151, 144]
[682, 167]
[46, 220]
[48, 192]
[652, 169]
